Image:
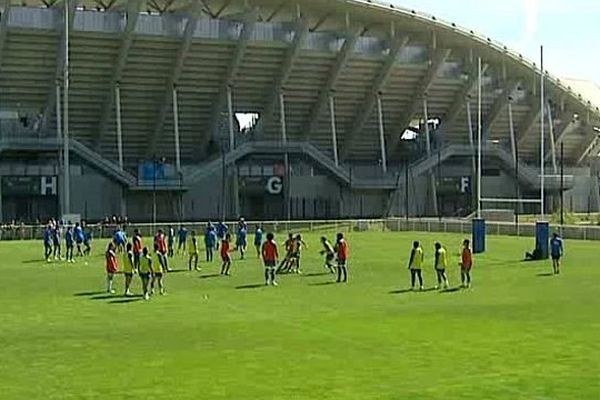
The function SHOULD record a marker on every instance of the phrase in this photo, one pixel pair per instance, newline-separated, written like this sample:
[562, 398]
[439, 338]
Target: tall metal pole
[381, 134]
[230, 118]
[406, 205]
[511, 126]
[542, 149]
[286, 160]
[154, 170]
[66, 160]
[176, 130]
[119, 126]
[517, 188]
[479, 81]
[562, 186]
[552, 139]
[223, 173]
[59, 132]
[471, 138]
[428, 149]
[333, 130]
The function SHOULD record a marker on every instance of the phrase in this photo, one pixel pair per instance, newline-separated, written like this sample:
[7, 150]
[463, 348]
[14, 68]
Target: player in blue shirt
[120, 239]
[258, 239]
[70, 243]
[242, 240]
[221, 232]
[48, 243]
[56, 241]
[79, 237]
[87, 242]
[556, 251]
[210, 241]
[181, 239]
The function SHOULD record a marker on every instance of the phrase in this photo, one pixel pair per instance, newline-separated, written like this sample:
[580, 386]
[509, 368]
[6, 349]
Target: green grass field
[518, 334]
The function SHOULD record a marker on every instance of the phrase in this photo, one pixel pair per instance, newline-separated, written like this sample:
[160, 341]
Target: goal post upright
[478, 228]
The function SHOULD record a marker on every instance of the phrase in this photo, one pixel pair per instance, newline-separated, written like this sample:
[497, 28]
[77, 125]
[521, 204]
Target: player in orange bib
[466, 264]
[270, 255]
[225, 256]
[111, 266]
[342, 250]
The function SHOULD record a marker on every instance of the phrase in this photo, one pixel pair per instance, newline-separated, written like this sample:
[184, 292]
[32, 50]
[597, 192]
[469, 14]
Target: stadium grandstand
[190, 110]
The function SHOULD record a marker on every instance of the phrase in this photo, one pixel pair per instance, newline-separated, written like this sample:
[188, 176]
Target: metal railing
[455, 226]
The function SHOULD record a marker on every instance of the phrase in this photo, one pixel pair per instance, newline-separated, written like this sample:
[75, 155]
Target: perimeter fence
[35, 232]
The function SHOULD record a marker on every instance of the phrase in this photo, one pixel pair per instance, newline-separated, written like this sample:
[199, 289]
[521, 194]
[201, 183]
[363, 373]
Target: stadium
[183, 110]
[371, 140]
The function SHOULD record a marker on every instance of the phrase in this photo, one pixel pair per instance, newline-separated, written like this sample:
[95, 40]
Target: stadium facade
[273, 109]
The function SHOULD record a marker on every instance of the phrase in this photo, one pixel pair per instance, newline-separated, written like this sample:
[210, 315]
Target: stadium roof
[306, 50]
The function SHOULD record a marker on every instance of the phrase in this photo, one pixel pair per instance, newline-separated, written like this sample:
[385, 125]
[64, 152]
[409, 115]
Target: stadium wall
[94, 196]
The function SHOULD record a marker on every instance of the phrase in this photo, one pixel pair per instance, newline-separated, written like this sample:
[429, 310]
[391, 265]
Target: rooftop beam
[589, 145]
[230, 74]
[4, 25]
[528, 123]
[173, 79]
[436, 63]
[567, 124]
[370, 99]
[292, 53]
[463, 94]
[500, 104]
[334, 74]
[60, 62]
[133, 12]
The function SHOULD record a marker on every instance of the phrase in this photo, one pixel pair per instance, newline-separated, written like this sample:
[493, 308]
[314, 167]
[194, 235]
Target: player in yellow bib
[440, 265]
[193, 252]
[145, 271]
[128, 268]
[157, 272]
[415, 265]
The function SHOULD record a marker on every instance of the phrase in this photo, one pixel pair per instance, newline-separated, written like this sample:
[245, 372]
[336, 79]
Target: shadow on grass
[126, 300]
[545, 274]
[87, 294]
[401, 291]
[105, 297]
[209, 276]
[451, 290]
[37, 261]
[318, 274]
[324, 283]
[177, 271]
[254, 286]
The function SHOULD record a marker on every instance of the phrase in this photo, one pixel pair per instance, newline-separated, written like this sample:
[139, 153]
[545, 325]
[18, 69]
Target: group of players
[152, 266]
[74, 237]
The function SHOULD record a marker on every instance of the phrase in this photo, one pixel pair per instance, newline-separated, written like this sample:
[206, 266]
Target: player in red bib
[342, 250]
[160, 242]
[137, 248]
[111, 267]
[466, 264]
[225, 256]
[270, 255]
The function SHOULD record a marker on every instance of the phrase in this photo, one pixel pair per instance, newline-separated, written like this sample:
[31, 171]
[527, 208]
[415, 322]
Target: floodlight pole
[119, 126]
[176, 130]
[562, 184]
[381, 134]
[230, 118]
[66, 160]
[479, 84]
[61, 202]
[286, 159]
[542, 150]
